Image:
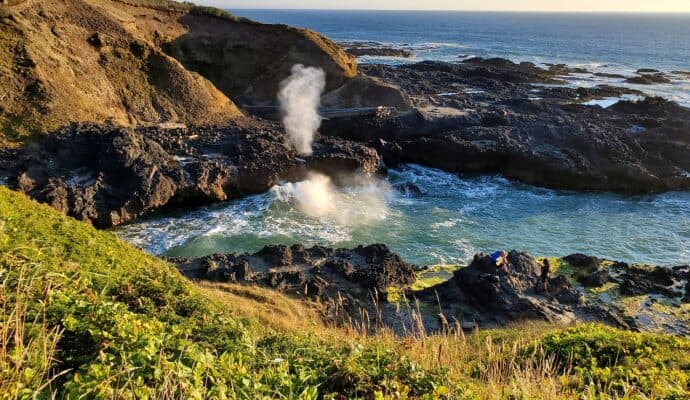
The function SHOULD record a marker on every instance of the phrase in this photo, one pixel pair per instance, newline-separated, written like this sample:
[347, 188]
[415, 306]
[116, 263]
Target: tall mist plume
[299, 97]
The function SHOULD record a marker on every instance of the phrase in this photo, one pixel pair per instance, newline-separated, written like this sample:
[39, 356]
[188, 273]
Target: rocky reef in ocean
[375, 49]
[495, 116]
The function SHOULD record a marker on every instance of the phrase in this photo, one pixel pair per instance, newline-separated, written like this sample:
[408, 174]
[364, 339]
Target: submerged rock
[408, 189]
[649, 79]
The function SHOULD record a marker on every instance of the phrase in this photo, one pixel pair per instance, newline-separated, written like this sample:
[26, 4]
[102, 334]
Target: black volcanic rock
[346, 281]
[649, 79]
[110, 175]
[488, 295]
[580, 260]
[596, 278]
[408, 189]
[488, 117]
[378, 52]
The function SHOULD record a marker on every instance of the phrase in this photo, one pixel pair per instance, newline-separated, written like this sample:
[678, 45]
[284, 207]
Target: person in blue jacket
[500, 259]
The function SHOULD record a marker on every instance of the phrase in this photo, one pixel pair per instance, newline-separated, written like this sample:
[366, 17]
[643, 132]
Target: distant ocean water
[609, 43]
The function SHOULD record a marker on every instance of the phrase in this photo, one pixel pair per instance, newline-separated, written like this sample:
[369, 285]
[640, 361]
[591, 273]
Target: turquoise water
[453, 218]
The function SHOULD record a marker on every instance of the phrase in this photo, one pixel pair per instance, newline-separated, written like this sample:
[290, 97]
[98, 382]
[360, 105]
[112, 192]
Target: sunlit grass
[84, 314]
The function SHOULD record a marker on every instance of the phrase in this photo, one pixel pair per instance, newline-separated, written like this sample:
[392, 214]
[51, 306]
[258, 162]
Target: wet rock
[608, 75]
[408, 189]
[491, 295]
[375, 49]
[598, 278]
[486, 117]
[390, 152]
[653, 280]
[649, 79]
[580, 260]
[379, 52]
[110, 175]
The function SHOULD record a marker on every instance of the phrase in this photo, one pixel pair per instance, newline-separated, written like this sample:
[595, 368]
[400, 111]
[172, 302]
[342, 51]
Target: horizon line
[464, 10]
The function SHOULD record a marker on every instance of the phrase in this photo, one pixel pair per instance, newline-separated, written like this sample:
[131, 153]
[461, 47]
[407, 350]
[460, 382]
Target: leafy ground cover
[85, 315]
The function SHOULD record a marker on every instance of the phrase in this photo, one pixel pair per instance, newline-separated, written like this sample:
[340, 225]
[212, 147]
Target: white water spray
[299, 97]
[364, 203]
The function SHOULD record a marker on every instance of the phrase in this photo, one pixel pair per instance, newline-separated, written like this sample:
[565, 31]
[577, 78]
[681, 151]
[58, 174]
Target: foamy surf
[454, 218]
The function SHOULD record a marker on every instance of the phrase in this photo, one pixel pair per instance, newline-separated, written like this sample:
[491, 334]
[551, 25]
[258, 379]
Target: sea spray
[299, 97]
[364, 203]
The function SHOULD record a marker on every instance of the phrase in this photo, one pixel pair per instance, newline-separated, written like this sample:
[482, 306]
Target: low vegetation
[84, 315]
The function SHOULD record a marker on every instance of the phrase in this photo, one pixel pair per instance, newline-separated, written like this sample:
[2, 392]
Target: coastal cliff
[143, 62]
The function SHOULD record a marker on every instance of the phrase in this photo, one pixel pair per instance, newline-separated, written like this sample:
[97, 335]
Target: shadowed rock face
[249, 59]
[486, 116]
[488, 295]
[344, 281]
[111, 175]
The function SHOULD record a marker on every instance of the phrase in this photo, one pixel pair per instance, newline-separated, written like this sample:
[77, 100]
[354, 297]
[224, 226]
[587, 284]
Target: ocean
[601, 43]
[457, 215]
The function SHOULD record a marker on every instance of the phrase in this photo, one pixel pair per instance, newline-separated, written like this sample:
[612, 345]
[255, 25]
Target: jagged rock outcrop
[366, 91]
[112, 175]
[346, 281]
[488, 295]
[486, 116]
[352, 285]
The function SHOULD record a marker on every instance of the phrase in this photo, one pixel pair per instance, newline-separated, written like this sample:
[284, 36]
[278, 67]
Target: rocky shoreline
[479, 117]
[355, 286]
[112, 175]
[496, 117]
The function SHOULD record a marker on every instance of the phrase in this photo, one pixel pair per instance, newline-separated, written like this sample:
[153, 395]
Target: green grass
[612, 361]
[128, 325]
[85, 315]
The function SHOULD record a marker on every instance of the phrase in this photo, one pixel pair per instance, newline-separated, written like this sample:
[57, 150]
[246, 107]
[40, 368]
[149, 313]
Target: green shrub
[613, 360]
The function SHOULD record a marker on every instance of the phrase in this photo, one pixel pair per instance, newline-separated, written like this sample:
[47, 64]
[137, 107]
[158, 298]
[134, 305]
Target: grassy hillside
[83, 314]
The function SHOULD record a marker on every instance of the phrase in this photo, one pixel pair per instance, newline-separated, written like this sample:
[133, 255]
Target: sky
[660, 6]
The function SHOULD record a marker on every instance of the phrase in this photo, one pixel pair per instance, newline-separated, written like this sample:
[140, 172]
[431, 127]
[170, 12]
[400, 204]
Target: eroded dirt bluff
[132, 62]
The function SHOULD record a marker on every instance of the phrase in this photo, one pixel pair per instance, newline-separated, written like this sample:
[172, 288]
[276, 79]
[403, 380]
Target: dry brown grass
[264, 307]
[488, 361]
[26, 357]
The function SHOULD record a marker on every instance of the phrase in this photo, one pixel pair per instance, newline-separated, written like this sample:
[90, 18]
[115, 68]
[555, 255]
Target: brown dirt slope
[134, 62]
[67, 61]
